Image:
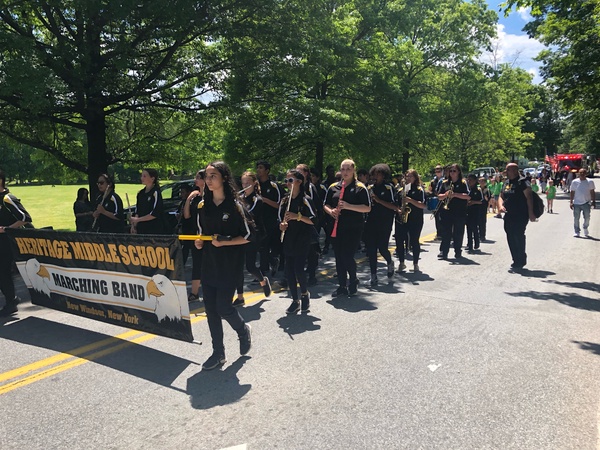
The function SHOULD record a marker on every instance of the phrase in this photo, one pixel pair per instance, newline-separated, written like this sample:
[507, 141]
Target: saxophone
[405, 208]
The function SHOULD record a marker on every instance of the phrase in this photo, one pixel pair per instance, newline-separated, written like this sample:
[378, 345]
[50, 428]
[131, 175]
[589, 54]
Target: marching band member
[411, 224]
[149, 206]
[190, 214]
[311, 191]
[221, 213]
[455, 192]
[378, 227]
[347, 201]
[250, 195]
[297, 214]
[474, 206]
[271, 197]
[109, 216]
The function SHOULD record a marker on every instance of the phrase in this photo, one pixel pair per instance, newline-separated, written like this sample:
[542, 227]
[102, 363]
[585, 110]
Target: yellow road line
[75, 353]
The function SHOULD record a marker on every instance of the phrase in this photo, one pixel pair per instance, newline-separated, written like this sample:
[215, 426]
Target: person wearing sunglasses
[347, 201]
[454, 192]
[109, 216]
[297, 214]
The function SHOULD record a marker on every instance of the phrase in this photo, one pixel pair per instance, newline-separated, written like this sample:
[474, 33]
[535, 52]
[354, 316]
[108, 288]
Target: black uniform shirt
[297, 236]
[416, 193]
[380, 215]
[255, 207]
[11, 210]
[476, 196]
[456, 206]
[270, 191]
[514, 198]
[83, 223]
[222, 266]
[112, 204]
[355, 193]
[150, 203]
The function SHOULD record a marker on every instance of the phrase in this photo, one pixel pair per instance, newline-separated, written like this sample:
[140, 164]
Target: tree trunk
[96, 142]
[405, 156]
[319, 155]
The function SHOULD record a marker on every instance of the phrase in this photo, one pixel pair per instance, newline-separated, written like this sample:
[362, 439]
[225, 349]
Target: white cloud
[525, 14]
[515, 49]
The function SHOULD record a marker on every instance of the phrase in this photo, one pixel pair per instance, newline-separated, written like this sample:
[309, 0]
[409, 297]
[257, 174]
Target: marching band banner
[135, 281]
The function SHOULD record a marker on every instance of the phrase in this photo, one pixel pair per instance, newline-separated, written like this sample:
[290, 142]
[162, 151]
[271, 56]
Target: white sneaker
[586, 233]
[576, 235]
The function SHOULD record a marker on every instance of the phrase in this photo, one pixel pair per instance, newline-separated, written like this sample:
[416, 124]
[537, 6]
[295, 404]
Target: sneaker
[458, 255]
[246, 340]
[342, 291]
[390, 267]
[401, 267]
[215, 360]
[293, 308]
[238, 302]
[586, 233]
[353, 288]
[416, 268]
[305, 299]
[442, 255]
[193, 298]
[575, 234]
[373, 280]
[312, 281]
[8, 310]
[267, 287]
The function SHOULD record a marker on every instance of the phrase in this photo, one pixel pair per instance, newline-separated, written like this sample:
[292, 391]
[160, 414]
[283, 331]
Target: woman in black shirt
[222, 214]
[149, 206]
[108, 216]
[296, 224]
[413, 196]
[82, 208]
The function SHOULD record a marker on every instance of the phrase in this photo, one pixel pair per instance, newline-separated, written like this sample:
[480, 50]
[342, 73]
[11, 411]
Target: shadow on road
[132, 358]
[208, 389]
[532, 273]
[293, 324]
[415, 277]
[252, 312]
[569, 299]
[352, 304]
[586, 285]
[589, 346]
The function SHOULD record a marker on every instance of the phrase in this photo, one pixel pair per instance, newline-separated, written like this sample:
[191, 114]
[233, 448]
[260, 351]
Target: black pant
[251, 252]
[483, 221]
[295, 275]
[473, 220]
[312, 260]
[6, 282]
[377, 237]
[515, 235]
[453, 229]
[344, 247]
[217, 303]
[412, 230]
[270, 247]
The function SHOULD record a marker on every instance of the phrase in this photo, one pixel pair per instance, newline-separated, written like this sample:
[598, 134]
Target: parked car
[171, 194]
[531, 171]
[487, 172]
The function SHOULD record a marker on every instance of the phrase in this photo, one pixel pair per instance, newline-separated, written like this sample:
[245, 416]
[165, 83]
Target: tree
[103, 72]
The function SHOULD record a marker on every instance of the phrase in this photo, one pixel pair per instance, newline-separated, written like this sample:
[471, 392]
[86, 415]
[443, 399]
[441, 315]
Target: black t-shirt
[112, 204]
[416, 193]
[255, 207]
[270, 191]
[513, 196]
[223, 266]
[456, 206]
[379, 214]
[355, 193]
[150, 203]
[297, 236]
[11, 210]
[83, 223]
[476, 196]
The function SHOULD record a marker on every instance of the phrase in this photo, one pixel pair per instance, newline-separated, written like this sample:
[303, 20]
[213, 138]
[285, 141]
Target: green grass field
[53, 206]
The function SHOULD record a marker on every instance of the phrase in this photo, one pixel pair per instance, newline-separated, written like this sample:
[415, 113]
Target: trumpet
[444, 203]
[405, 208]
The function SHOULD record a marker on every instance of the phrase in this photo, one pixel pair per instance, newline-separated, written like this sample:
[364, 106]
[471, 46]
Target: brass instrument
[405, 208]
[444, 203]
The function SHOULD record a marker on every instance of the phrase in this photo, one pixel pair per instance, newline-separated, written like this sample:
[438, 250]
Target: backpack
[538, 205]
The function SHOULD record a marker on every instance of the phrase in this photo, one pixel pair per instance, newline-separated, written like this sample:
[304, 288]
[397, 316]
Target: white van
[488, 172]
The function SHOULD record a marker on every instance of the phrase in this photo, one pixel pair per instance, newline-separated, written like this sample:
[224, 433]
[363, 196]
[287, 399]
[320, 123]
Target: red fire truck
[566, 162]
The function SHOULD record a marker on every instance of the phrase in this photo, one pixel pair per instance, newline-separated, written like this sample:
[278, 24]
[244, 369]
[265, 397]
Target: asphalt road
[464, 355]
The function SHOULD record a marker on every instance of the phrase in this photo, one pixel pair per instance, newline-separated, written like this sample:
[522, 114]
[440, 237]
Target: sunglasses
[290, 180]
[100, 183]
[453, 170]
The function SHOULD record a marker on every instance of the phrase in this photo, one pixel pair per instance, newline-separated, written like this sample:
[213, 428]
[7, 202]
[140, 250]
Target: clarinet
[287, 210]
[337, 219]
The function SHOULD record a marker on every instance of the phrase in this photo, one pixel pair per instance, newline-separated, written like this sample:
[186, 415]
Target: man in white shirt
[583, 197]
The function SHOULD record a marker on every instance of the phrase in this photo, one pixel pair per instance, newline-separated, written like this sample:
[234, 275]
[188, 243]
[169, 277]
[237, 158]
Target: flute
[104, 197]
[335, 225]
[287, 210]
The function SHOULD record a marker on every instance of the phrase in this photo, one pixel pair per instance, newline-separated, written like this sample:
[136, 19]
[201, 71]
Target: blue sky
[513, 46]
